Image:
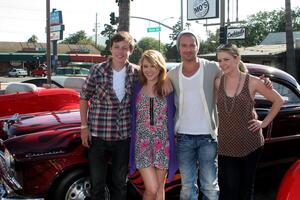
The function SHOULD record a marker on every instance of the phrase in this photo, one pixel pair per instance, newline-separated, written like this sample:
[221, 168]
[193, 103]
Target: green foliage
[176, 31]
[108, 32]
[33, 39]
[79, 37]
[148, 43]
[136, 55]
[210, 45]
[259, 25]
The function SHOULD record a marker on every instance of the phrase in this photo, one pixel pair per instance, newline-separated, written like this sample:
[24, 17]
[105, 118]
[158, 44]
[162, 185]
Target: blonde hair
[233, 50]
[157, 60]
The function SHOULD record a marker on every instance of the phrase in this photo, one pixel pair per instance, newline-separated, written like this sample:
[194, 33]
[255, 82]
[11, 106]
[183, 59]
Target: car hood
[46, 121]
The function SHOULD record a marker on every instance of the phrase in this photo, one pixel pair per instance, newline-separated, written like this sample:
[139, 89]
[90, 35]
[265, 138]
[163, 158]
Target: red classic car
[27, 98]
[290, 184]
[43, 156]
[39, 71]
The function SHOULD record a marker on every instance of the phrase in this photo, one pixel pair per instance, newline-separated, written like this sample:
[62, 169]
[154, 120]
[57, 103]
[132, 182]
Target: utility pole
[290, 50]
[223, 28]
[181, 17]
[48, 42]
[96, 29]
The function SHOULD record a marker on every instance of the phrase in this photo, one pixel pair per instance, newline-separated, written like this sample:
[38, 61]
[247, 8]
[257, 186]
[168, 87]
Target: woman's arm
[256, 85]
[216, 88]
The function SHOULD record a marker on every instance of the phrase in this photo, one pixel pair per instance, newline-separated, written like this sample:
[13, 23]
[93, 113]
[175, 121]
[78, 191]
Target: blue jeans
[197, 155]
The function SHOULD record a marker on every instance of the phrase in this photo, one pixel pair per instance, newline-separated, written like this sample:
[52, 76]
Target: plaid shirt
[108, 118]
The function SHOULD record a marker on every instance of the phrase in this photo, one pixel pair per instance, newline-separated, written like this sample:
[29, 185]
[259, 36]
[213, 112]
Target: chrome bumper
[7, 194]
[5, 175]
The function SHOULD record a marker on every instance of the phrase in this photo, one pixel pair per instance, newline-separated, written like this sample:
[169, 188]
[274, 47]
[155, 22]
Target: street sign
[153, 29]
[58, 35]
[56, 28]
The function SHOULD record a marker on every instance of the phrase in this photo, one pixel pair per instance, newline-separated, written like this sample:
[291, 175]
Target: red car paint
[38, 101]
[290, 185]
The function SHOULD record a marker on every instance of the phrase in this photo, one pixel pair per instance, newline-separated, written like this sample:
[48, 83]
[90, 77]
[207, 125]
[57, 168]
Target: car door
[282, 136]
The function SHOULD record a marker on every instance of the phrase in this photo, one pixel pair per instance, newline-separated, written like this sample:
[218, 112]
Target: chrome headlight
[9, 161]
[5, 127]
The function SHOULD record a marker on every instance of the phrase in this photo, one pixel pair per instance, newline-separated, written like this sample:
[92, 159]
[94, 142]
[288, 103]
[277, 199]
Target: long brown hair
[233, 50]
[156, 59]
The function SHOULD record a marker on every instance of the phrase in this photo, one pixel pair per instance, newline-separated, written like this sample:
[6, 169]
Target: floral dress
[152, 138]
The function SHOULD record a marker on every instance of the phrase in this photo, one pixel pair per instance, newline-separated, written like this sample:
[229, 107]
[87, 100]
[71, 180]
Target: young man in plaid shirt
[105, 117]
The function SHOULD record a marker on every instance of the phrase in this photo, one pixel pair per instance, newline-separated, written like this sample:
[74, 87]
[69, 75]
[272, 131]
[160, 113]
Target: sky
[20, 19]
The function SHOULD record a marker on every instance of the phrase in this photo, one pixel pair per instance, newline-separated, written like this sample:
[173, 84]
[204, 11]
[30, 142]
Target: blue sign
[55, 18]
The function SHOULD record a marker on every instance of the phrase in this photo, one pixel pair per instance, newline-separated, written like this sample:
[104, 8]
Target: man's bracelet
[83, 127]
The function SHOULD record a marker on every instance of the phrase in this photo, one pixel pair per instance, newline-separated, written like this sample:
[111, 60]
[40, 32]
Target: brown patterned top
[234, 137]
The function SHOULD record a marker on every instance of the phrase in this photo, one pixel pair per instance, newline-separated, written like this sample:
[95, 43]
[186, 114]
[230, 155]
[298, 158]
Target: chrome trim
[6, 176]
[8, 194]
[18, 197]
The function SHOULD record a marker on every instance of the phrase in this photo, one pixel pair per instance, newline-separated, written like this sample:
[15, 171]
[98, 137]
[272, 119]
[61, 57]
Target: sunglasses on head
[225, 46]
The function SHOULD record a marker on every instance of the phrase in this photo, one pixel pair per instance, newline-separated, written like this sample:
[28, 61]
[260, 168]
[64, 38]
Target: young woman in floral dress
[152, 127]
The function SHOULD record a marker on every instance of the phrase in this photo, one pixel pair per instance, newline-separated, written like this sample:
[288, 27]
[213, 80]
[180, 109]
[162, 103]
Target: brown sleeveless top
[234, 113]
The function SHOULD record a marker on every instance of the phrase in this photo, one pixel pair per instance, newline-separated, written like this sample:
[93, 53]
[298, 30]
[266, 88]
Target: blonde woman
[152, 128]
[240, 132]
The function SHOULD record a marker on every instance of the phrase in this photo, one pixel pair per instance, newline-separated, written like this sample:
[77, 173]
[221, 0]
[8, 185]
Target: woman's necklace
[229, 110]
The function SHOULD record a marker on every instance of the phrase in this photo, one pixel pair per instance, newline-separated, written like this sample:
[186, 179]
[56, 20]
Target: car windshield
[64, 71]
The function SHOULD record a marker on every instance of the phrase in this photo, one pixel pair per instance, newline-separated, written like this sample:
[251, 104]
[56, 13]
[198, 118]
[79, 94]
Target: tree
[176, 31]
[124, 15]
[210, 45]
[33, 39]
[148, 43]
[259, 25]
[143, 45]
[108, 32]
[79, 37]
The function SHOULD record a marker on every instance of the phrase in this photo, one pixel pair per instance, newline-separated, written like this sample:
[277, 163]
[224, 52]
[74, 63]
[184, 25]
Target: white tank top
[192, 119]
[119, 82]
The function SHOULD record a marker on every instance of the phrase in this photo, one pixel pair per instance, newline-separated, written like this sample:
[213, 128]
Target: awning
[95, 58]
[30, 57]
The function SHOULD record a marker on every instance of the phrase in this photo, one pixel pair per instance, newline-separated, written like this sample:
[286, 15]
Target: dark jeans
[119, 151]
[237, 176]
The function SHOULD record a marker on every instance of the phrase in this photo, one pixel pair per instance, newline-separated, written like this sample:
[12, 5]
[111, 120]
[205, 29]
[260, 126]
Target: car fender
[290, 184]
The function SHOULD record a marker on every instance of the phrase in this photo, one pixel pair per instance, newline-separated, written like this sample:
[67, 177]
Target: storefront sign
[236, 33]
[202, 9]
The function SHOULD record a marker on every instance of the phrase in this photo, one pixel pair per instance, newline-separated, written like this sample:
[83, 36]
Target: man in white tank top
[196, 144]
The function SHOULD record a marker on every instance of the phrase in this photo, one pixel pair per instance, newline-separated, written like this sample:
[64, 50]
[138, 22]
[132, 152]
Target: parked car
[22, 98]
[59, 82]
[71, 71]
[290, 184]
[43, 155]
[27, 98]
[39, 71]
[17, 72]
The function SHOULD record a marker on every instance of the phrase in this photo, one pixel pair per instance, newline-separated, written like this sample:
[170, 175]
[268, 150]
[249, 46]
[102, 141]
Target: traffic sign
[153, 29]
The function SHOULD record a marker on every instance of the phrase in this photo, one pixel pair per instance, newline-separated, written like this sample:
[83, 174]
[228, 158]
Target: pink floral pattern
[152, 143]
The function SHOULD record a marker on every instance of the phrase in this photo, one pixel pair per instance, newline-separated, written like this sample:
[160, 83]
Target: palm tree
[124, 15]
[290, 51]
[33, 39]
